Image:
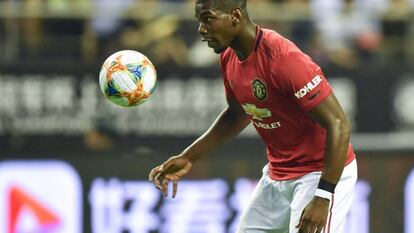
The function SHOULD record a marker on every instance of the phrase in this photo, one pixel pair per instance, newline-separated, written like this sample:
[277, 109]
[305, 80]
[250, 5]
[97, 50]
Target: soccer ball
[127, 78]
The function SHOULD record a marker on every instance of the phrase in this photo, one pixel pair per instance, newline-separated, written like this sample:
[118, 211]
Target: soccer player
[307, 185]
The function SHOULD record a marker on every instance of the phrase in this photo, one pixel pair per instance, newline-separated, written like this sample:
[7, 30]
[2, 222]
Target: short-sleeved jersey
[276, 85]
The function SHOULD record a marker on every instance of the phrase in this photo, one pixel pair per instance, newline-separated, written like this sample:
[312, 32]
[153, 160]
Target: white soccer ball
[127, 78]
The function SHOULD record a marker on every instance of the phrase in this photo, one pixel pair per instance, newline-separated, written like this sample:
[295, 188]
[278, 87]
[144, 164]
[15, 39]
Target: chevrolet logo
[256, 113]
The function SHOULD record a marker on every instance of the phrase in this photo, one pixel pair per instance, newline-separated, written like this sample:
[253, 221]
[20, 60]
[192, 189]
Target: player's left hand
[314, 216]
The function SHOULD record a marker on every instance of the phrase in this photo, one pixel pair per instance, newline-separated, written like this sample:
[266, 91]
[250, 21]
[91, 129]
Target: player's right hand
[171, 170]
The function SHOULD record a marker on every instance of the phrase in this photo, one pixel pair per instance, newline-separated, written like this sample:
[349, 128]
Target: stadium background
[52, 110]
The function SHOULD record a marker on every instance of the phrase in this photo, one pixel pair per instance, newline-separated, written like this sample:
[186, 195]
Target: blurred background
[71, 162]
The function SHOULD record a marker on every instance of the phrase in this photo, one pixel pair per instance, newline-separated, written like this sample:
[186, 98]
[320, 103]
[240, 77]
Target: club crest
[259, 89]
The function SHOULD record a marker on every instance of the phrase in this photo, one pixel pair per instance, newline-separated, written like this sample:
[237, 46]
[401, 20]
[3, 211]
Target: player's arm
[228, 124]
[329, 115]
[293, 72]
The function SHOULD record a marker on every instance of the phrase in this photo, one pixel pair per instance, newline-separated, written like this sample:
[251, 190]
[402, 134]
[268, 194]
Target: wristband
[326, 185]
[323, 194]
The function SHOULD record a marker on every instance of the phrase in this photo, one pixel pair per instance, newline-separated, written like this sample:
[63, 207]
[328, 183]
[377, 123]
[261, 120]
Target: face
[215, 26]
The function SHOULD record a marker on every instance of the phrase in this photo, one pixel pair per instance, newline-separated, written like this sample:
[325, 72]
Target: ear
[236, 16]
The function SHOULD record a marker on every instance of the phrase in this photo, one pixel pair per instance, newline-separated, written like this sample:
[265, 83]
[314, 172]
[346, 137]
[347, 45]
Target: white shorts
[276, 206]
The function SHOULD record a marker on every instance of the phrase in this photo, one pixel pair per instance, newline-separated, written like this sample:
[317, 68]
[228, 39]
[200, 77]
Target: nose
[202, 29]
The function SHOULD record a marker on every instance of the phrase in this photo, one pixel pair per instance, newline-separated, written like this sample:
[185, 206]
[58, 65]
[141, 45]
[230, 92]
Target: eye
[207, 19]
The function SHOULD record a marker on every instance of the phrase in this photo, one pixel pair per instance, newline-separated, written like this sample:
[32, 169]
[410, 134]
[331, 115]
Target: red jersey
[276, 85]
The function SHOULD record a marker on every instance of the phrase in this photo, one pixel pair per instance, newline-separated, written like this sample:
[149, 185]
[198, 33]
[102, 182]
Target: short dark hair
[227, 5]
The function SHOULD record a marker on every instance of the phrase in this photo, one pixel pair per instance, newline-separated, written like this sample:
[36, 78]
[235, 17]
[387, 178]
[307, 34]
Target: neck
[243, 44]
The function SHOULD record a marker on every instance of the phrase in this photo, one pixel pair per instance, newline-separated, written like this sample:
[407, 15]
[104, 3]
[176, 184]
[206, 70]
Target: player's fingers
[319, 229]
[164, 186]
[304, 227]
[153, 173]
[312, 229]
[174, 178]
[300, 221]
[175, 188]
[301, 226]
[158, 181]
